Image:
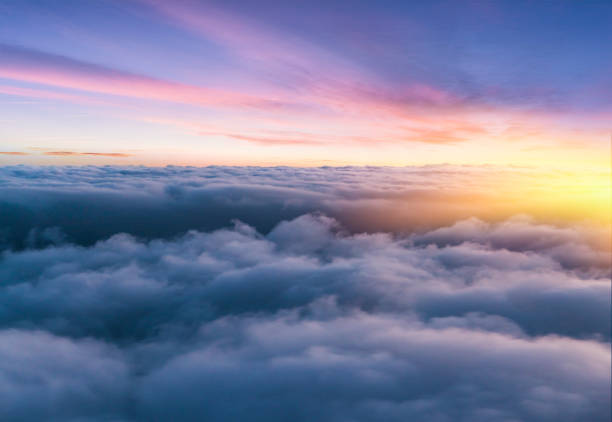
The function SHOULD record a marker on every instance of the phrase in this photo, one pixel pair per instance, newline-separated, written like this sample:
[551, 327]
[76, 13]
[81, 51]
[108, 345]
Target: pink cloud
[313, 73]
[100, 154]
[39, 67]
[51, 95]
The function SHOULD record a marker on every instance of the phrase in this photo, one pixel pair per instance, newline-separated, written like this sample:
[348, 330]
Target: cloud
[344, 84]
[566, 245]
[102, 154]
[135, 294]
[234, 324]
[266, 140]
[71, 153]
[29, 65]
[48, 377]
[166, 202]
[289, 59]
[366, 368]
[50, 95]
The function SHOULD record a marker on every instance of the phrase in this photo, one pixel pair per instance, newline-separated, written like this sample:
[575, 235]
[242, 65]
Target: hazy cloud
[102, 154]
[92, 203]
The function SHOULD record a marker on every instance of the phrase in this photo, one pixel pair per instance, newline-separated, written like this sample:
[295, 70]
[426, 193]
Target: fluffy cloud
[44, 377]
[362, 367]
[474, 321]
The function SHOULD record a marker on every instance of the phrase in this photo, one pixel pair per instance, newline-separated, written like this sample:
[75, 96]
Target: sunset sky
[305, 211]
[306, 84]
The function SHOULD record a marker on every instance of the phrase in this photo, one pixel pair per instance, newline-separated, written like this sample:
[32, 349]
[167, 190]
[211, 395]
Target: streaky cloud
[30, 65]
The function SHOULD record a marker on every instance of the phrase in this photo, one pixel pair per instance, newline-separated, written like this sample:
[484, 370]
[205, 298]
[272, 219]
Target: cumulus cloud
[474, 321]
[44, 377]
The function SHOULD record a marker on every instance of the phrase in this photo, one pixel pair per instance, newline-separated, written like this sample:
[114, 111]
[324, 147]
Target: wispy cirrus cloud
[269, 140]
[356, 103]
[282, 54]
[310, 71]
[47, 94]
[335, 110]
[353, 76]
[24, 64]
[100, 154]
[71, 153]
[33, 66]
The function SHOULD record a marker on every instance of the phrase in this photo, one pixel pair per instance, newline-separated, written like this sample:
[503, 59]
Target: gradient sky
[311, 83]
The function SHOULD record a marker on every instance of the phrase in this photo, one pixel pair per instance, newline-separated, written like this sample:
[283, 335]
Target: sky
[317, 83]
[334, 211]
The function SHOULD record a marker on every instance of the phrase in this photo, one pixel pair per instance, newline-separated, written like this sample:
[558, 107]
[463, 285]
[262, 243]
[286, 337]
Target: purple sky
[237, 82]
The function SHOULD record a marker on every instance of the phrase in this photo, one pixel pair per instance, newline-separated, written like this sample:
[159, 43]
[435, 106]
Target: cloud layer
[474, 321]
[272, 294]
[87, 204]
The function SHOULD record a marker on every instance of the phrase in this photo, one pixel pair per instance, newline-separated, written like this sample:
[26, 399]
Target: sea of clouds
[283, 294]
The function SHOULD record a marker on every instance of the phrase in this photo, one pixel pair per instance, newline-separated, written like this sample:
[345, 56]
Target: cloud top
[474, 321]
[273, 294]
[92, 203]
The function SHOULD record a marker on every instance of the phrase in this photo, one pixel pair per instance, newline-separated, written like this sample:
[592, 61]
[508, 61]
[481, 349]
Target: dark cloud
[471, 322]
